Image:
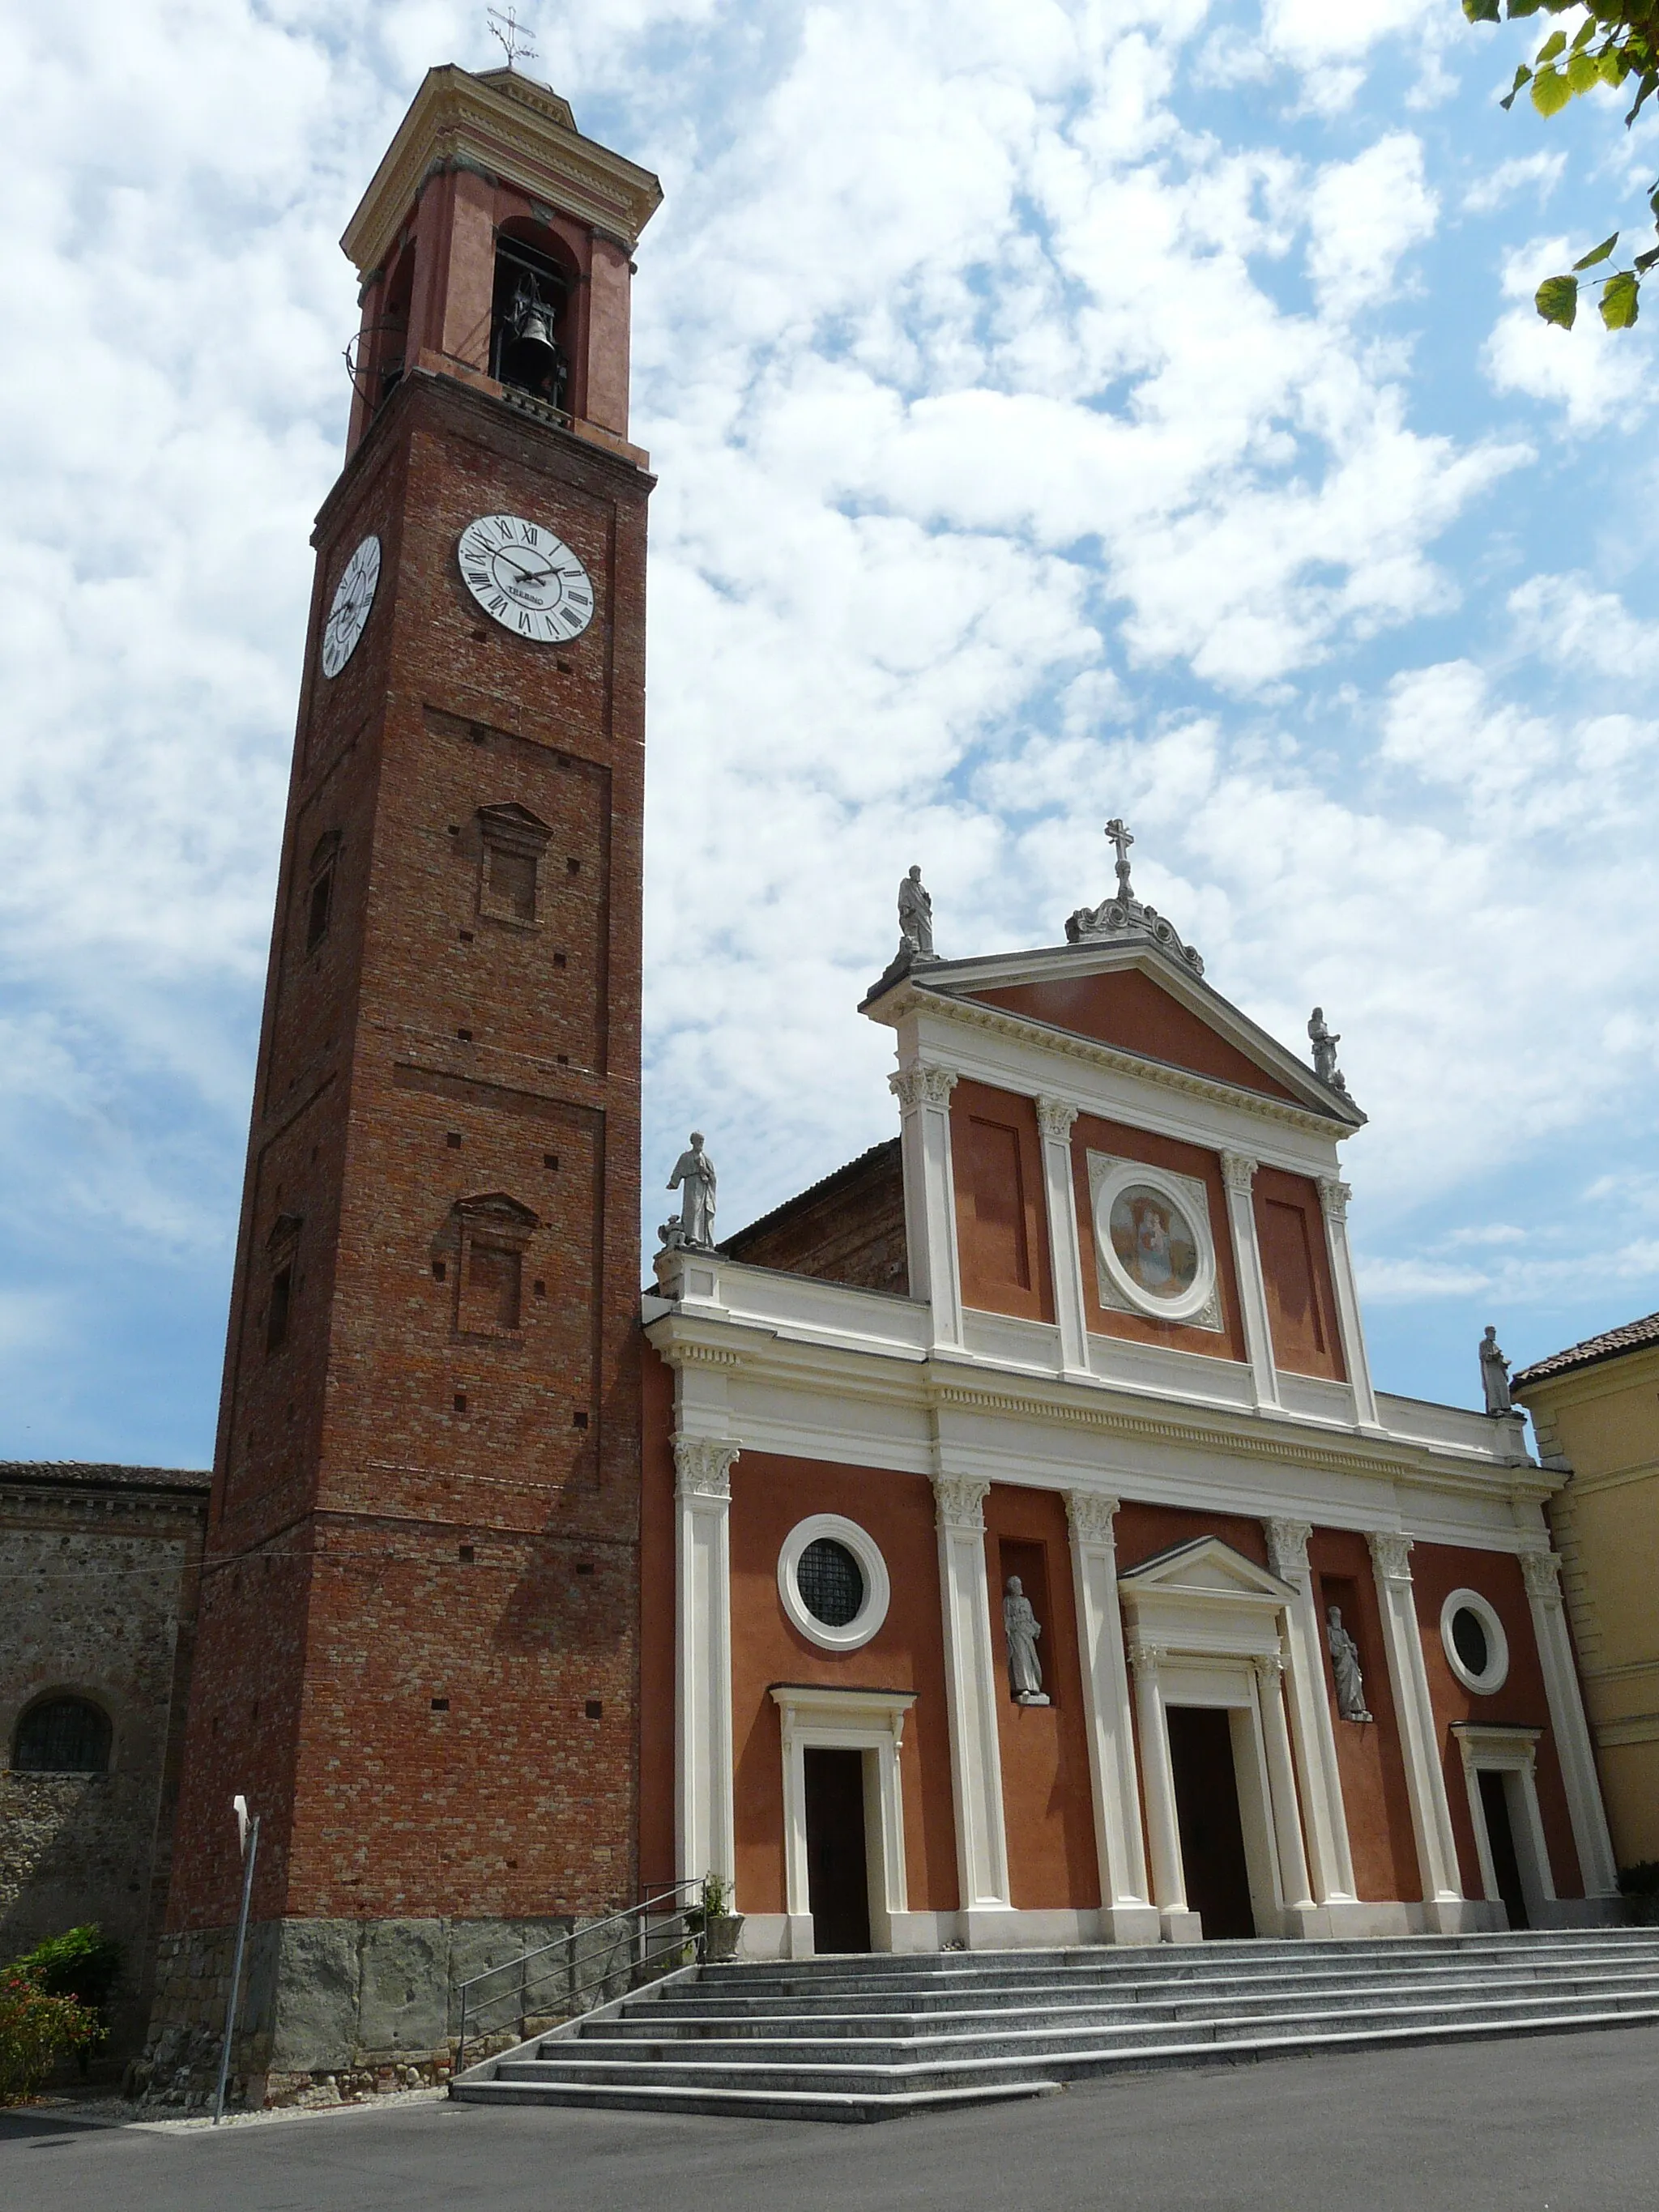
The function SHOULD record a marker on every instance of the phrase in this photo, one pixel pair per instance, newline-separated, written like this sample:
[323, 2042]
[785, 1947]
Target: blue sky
[1060, 410]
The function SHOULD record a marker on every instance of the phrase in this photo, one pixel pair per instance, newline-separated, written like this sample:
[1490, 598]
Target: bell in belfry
[532, 326]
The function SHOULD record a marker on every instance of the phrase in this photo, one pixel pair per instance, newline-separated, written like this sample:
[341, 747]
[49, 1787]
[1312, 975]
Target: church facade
[1028, 1557]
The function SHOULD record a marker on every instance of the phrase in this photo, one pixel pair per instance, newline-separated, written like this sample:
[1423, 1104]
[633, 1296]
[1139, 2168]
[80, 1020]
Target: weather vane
[515, 43]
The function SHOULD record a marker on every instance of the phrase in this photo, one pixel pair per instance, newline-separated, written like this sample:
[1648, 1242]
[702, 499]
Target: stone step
[666, 2022]
[745, 2103]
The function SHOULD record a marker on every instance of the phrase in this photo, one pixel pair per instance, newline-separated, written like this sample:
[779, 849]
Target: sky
[1061, 410]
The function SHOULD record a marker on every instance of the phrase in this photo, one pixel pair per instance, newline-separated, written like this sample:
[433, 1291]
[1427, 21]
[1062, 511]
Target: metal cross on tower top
[515, 43]
[1121, 838]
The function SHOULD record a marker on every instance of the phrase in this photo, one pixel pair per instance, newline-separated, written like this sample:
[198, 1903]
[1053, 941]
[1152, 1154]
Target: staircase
[878, 2037]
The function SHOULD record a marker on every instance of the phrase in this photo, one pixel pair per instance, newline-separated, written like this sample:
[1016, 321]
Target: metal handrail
[666, 1905]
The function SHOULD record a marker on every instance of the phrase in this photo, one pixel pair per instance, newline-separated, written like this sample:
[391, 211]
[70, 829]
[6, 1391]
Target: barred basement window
[62, 1735]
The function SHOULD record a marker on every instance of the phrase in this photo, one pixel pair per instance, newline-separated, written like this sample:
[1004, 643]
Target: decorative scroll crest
[960, 1499]
[1123, 915]
[1541, 1572]
[1092, 1516]
[703, 1467]
[1391, 1554]
[1287, 1549]
[917, 1085]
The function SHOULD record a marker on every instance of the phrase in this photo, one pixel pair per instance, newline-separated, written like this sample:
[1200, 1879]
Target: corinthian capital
[703, 1467]
[1091, 1516]
[1238, 1171]
[960, 1499]
[1287, 1549]
[1391, 1554]
[917, 1085]
[1334, 1196]
[1542, 1574]
[1055, 1117]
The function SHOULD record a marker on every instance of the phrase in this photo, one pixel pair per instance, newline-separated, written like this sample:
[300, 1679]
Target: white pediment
[1205, 1565]
[1207, 1600]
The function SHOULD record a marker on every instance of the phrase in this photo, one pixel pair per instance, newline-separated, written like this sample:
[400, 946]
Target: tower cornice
[512, 129]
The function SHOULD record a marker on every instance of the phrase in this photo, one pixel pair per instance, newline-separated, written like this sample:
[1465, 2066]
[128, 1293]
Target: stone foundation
[336, 2010]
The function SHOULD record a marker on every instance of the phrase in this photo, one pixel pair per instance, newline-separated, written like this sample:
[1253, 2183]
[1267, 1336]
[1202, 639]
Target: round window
[1153, 1242]
[1477, 1650]
[833, 1582]
[831, 1588]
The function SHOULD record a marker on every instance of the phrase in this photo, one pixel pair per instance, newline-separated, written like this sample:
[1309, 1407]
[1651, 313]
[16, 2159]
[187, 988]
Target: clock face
[528, 579]
[353, 595]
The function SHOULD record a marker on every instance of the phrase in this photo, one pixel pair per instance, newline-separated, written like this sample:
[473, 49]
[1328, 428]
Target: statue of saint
[1345, 1665]
[693, 1178]
[915, 915]
[1495, 1374]
[1325, 1041]
[1022, 1628]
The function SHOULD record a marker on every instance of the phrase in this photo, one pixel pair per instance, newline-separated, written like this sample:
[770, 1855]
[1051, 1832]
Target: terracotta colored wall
[1144, 1531]
[1090, 1134]
[770, 1495]
[1369, 1758]
[657, 1510]
[1002, 1229]
[1437, 1570]
[1296, 1268]
[1047, 1804]
[1131, 1011]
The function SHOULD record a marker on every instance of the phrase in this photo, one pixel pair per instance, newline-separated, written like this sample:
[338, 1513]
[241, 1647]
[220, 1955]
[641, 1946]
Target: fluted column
[704, 1820]
[1054, 1119]
[1334, 1196]
[1330, 1861]
[1281, 1782]
[1178, 1924]
[930, 1208]
[1238, 1172]
[970, 1691]
[1128, 1914]
[1419, 1743]
[1573, 1747]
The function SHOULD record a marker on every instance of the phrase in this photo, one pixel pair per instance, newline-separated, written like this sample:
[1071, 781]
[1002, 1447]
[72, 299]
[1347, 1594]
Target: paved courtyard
[1559, 2124]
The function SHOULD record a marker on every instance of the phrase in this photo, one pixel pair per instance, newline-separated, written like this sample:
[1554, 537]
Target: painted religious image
[1155, 1243]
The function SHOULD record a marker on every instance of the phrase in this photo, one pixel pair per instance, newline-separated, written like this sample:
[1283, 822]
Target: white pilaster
[704, 1820]
[1281, 1784]
[1573, 1749]
[930, 1206]
[1238, 1172]
[1177, 1923]
[970, 1688]
[1054, 1119]
[1334, 1196]
[1330, 1861]
[1419, 1744]
[1128, 1914]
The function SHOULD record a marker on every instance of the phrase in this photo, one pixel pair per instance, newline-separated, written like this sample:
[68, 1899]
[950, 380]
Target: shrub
[83, 1963]
[36, 2029]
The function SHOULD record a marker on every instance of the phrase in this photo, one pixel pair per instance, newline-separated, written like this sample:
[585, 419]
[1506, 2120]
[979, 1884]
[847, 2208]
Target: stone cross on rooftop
[1122, 839]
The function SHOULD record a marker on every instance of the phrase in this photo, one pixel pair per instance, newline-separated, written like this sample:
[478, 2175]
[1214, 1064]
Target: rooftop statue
[1495, 1374]
[1325, 1041]
[915, 918]
[693, 1178]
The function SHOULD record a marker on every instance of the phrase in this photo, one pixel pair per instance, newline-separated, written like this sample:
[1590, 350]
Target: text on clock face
[526, 578]
[348, 614]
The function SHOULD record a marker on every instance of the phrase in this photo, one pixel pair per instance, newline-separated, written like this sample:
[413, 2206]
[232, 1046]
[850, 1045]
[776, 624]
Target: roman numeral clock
[527, 579]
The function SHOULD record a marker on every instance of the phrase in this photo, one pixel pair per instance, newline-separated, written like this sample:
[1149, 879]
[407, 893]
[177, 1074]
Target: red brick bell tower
[416, 1653]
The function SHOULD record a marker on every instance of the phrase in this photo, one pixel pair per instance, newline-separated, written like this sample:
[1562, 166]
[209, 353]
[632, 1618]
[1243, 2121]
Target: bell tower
[416, 1656]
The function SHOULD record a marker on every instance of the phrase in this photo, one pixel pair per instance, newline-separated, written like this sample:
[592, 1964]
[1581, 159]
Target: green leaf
[1550, 92]
[1619, 300]
[1585, 33]
[1646, 261]
[1582, 71]
[1555, 44]
[1481, 11]
[1521, 76]
[1519, 8]
[1557, 300]
[1600, 254]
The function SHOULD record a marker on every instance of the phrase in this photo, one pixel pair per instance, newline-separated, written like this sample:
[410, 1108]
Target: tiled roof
[90, 1474]
[1632, 1337]
[889, 1148]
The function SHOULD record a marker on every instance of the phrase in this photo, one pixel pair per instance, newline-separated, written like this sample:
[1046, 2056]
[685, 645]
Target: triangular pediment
[1205, 1566]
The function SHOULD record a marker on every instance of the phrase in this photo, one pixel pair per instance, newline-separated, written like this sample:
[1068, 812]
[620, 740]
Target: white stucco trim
[1108, 1177]
[815, 1717]
[1496, 1671]
[1513, 1752]
[877, 1589]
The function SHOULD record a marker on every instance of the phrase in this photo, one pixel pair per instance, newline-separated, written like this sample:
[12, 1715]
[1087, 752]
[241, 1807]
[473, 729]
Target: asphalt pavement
[1553, 2124]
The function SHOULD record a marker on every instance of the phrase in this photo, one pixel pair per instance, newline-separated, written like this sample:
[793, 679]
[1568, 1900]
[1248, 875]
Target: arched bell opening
[532, 314]
[378, 356]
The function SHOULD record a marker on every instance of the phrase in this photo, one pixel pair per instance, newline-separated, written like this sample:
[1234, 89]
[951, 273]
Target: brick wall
[848, 1229]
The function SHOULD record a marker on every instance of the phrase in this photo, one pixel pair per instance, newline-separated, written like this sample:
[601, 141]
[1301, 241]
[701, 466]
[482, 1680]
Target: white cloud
[1511, 177]
[1364, 214]
[1593, 373]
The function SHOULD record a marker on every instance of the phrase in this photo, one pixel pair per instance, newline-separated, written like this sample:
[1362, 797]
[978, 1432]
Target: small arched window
[62, 1735]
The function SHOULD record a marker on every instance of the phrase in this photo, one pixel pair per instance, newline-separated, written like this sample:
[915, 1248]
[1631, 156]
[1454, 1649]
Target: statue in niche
[1345, 1665]
[1022, 1628]
[1325, 1041]
[1495, 1374]
[915, 918]
[693, 1178]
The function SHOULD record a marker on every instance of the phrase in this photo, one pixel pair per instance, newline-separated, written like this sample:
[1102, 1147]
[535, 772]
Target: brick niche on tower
[417, 1651]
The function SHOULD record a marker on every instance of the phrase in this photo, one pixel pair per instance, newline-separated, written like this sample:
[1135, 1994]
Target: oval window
[1469, 1638]
[830, 1583]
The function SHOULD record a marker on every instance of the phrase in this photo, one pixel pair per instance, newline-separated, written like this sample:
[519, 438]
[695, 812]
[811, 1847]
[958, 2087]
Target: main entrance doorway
[1212, 1861]
[837, 1877]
